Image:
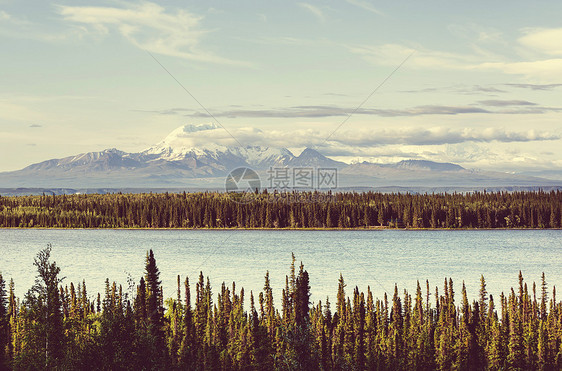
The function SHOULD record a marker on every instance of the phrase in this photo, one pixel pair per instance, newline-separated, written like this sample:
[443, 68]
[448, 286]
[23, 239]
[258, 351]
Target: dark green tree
[46, 290]
[4, 325]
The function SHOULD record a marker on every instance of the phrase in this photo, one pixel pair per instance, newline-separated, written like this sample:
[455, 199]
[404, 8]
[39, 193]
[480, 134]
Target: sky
[476, 83]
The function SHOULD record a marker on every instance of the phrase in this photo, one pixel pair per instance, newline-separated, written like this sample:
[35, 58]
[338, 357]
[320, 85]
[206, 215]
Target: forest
[285, 210]
[64, 327]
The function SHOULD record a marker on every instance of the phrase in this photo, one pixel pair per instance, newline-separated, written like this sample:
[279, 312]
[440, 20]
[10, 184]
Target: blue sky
[482, 88]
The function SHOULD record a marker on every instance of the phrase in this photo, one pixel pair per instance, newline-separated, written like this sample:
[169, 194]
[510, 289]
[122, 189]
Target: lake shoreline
[371, 228]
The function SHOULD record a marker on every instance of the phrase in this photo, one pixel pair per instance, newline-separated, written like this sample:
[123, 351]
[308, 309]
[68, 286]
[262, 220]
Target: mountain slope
[312, 158]
[427, 165]
[187, 157]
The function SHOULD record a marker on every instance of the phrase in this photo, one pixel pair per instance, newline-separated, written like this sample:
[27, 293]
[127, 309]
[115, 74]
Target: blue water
[375, 258]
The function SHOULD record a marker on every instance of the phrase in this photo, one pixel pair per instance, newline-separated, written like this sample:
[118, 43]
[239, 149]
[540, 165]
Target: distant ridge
[180, 161]
[429, 165]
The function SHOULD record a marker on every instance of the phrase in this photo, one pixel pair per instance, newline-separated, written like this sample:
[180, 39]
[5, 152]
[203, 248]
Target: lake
[378, 258]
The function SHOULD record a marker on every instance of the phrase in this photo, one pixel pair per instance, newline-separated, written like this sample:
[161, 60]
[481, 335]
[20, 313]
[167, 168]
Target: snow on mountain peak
[188, 131]
[202, 140]
[208, 142]
[191, 128]
[189, 138]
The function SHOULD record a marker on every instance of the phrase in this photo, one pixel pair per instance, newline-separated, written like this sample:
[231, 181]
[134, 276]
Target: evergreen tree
[47, 293]
[4, 325]
[155, 311]
[363, 333]
[188, 346]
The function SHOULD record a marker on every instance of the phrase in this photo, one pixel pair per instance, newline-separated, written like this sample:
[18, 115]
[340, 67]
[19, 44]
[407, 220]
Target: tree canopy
[63, 327]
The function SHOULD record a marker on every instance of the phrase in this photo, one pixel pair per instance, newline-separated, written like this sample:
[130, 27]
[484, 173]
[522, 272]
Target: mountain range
[176, 162]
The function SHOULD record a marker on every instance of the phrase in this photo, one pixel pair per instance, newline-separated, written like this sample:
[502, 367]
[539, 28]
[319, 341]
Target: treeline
[56, 327]
[285, 210]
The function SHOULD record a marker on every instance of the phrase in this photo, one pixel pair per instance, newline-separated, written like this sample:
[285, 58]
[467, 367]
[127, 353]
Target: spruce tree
[47, 291]
[4, 325]
[154, 310]
[188, 346]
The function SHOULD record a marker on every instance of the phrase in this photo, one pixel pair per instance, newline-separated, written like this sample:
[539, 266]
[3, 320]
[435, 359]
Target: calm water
[376, 258]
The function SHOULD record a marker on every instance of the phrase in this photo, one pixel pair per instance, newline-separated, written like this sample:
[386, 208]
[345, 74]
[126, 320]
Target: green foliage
[363, 333]
[4, 324]
[286, 210]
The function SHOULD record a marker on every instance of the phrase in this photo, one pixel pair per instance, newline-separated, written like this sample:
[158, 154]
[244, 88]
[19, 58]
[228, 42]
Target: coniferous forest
[62, 326]
[285, 210]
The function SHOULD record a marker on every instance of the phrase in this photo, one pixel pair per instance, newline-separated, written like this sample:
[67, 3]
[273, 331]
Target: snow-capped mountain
[181, 145]
[93, 161]
[184, 154]
[427, 165]
[190, 157]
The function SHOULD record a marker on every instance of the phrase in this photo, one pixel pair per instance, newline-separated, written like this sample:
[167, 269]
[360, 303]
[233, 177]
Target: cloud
[371, 154]
[150, 27]
[535, 86]
[543, 40]
[6, 17]
[35, 126]
[168, 111]
[431, 110]
[336, 94]
[504, 103]
[332, 111]
[440, 135]
[546, 68]
[366, 6]
[477, 34]
[317, 12]
[322, 111]
[394, 54]
[481, 59]
[15, 27]
[467, 152]
[487, 89]
[355, 142]
[510, 107]
[460, 89]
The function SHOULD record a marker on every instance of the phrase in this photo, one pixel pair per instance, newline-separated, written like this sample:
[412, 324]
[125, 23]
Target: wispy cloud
[355, 141]
[537, 69]
[543, 40]
[327, 111]
[9, 18]
[460, 89]
[149, 26]
[18, 27]
[366, 6]
[35, 126]
[393, 54]
[545, 66]
[535, 86]
[321, 111]
[316, 11]
[441, 135]
[477, 34]
[505, 103]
